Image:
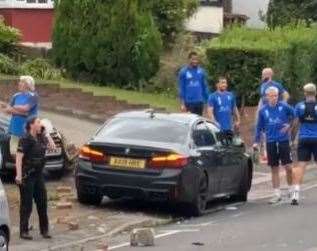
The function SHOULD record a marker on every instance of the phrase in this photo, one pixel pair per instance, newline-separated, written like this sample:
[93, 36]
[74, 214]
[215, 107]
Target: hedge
[241, 53]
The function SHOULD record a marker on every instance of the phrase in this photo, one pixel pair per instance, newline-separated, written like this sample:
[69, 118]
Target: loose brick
[64, 189]
[64, 205]
[73, 225]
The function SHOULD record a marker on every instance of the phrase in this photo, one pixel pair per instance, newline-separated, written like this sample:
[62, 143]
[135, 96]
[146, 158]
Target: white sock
[290, 189]
[296, 188]
[277, 192]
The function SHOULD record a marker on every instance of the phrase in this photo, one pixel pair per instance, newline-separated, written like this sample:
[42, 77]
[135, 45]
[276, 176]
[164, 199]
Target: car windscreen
[154, 130]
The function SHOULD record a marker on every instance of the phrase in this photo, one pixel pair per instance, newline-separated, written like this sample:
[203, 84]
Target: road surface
[253, 226]
[76, 131]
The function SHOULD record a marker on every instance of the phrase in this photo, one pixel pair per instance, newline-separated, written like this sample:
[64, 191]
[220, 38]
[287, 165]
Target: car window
[203, 136]
[145, 129]
[213, 128]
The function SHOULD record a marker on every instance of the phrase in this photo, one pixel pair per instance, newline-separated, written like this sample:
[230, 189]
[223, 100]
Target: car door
[228, 161]
[232, 174]
[211, 155]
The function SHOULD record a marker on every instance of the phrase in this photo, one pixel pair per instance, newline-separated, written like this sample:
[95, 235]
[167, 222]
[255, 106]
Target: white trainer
[295, 198]
[276, 199]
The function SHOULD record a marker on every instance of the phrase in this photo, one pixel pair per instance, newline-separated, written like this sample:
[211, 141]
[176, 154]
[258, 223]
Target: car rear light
[92, 155]
[169, 161]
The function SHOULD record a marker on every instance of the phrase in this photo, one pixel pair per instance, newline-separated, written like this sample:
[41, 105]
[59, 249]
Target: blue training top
[223, 104]
[17, 122]
[306, 130]
[272, 119]
[193, 87]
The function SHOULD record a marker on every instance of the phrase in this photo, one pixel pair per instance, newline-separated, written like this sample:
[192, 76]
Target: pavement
[76, 131]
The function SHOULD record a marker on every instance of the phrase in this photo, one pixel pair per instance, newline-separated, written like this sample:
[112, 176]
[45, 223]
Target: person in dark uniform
[30, 160]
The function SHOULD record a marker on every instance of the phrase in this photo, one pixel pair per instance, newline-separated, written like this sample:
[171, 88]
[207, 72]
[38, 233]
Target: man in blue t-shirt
[306, 118]
[275, 121]
[222, 108]
[193, 86]
[23, 105]
[267, 82]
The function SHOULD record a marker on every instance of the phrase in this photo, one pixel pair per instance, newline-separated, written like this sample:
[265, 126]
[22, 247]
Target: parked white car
[4, 219]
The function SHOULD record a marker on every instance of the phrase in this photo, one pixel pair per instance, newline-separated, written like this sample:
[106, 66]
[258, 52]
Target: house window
[211, 2]
[36, 1]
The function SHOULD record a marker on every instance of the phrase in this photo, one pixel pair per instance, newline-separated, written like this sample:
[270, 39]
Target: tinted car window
[202, 136]
[154, 130]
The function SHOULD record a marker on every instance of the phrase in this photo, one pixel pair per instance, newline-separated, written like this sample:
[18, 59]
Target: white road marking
[173, 232]
[169, 233]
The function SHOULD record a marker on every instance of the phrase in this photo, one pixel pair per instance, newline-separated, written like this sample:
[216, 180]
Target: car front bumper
[167, 185]
[51, 165]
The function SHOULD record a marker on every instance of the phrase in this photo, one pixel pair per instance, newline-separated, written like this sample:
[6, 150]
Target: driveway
[76, 131]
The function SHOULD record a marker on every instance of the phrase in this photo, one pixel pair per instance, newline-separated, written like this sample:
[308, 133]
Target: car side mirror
[238, 142]
[195, 153]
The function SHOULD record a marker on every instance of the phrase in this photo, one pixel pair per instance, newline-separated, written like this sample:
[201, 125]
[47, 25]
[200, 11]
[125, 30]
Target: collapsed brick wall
[73, 100]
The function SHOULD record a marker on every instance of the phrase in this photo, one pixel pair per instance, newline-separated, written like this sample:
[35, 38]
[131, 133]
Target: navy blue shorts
[278, 153]
[196, 108]
[306, 149]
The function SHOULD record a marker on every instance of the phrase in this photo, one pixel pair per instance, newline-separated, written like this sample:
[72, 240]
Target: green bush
[109, 42]
[8, 66]
[9, 37]
[41, 69]
[241, 53]
[170, 15]
[285, 12]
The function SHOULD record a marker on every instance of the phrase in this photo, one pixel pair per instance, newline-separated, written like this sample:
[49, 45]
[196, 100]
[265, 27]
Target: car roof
[185, 118]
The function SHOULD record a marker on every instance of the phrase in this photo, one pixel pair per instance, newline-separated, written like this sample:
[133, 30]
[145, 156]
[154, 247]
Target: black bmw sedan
[180, 158]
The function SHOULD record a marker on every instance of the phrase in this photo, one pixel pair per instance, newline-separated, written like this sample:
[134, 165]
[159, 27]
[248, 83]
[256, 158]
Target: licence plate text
[127, 163]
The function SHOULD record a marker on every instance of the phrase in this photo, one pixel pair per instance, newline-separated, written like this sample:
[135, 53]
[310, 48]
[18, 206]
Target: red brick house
[34, 18]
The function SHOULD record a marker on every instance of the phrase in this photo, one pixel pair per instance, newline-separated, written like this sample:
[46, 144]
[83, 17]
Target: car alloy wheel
[3, 241]
[198, 207]
[203, 194]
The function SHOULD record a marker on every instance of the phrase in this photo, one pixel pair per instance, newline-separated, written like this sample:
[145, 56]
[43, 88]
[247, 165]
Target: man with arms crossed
[275, 120]
[306, 118]
[22, 105]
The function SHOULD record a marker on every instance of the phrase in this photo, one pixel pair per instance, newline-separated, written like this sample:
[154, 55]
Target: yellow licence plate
[127, 163]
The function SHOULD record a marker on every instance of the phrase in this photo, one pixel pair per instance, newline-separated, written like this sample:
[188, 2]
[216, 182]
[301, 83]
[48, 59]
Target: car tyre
[198, 207]
[88, 198]
[4, 241]
[242, 195]
[57, 175]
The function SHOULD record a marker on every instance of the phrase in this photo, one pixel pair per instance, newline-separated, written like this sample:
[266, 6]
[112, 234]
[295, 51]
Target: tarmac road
[253, 226]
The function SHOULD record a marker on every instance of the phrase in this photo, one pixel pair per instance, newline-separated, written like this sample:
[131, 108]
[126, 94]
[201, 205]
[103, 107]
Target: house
[34, 18]
[212, 16]
[251, 8]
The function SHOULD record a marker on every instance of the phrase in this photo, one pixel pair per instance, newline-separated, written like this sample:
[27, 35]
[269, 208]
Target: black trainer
[294, 202]
[47, 236]
[26, 236]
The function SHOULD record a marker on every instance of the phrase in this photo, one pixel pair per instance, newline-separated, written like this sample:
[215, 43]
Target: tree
[284, 12]
[107, 41]
[170, 16]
